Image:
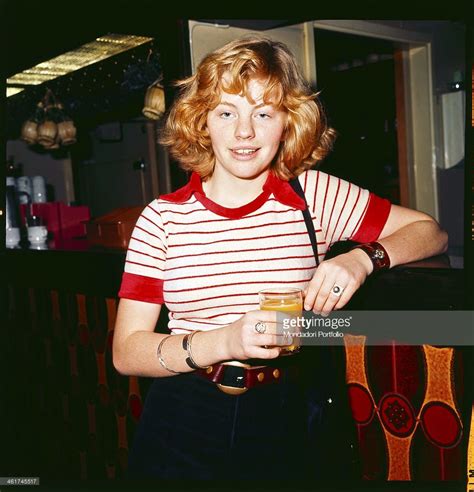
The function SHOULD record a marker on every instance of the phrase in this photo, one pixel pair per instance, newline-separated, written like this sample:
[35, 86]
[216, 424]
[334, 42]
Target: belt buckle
[233, 390]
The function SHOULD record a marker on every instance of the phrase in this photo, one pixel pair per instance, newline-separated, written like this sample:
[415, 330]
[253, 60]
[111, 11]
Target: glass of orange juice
[287, 300]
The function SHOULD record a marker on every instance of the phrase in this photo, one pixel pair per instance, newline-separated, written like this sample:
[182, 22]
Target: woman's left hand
[336, 281]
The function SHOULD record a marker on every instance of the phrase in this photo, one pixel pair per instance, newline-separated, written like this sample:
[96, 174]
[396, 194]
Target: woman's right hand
[242, 341]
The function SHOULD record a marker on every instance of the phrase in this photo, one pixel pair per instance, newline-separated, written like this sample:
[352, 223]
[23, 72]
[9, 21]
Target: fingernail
[307, 307]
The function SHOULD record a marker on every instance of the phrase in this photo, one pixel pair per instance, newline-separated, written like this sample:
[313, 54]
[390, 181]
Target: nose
[244, 128]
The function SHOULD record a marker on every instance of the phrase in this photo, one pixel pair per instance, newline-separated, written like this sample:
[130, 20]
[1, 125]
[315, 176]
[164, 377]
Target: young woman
[244, 124]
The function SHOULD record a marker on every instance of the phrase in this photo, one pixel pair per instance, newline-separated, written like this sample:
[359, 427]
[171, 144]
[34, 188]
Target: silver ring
[337, 290]
[260, 327]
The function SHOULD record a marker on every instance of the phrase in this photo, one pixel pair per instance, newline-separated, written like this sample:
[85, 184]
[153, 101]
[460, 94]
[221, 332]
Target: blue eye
[263, 116]
[225, 114]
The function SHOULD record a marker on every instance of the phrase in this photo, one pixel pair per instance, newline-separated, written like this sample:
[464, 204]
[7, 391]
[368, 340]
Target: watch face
[378, 253]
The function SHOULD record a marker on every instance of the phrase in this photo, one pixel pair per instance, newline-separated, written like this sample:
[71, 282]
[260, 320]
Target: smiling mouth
[244, 151]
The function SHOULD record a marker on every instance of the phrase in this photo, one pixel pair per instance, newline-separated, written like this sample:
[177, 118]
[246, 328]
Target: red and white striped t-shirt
[207, 262]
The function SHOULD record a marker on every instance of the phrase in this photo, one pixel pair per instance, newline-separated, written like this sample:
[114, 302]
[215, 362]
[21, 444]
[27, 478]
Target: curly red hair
[307, 137]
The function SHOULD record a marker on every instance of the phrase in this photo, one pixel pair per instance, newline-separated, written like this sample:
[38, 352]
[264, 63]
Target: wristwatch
[377, 254]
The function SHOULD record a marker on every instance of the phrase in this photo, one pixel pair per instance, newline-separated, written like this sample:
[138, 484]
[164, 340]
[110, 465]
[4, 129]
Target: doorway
[356, 81]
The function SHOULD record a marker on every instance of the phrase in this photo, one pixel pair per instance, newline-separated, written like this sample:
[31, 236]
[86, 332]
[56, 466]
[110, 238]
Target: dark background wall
[30, 42]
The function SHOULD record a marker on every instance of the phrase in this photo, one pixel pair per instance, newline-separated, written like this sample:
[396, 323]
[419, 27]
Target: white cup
[38, 246]
[37, 234]
[23, 184]
[39, 189]
[12, 237]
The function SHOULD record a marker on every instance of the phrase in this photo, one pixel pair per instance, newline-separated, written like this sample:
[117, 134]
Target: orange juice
[284, 300]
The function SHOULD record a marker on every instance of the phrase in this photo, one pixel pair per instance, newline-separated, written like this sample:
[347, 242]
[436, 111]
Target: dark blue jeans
[189, 429]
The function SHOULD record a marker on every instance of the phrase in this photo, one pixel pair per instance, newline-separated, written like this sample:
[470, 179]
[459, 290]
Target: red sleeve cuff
[140, 288]
[374, 220]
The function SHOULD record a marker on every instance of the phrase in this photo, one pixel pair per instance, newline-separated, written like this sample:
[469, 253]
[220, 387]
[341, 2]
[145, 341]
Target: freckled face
[245, 137]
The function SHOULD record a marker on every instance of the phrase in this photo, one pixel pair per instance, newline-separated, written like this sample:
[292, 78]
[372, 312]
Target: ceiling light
[11, 91]
[87, 54]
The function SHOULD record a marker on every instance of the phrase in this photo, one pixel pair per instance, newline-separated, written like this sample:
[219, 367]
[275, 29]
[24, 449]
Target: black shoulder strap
[295, 184]
[326, 421]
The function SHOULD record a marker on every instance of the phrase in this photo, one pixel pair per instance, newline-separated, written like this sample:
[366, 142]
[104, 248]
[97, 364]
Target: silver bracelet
[187, 346]
[160, 358]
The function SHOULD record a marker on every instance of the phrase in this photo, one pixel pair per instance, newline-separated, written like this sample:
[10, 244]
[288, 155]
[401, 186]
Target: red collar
[280, 189]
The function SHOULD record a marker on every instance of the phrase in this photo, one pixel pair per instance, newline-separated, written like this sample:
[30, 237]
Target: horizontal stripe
[145, 254]
[226, 220]
[175, 311]
[200, 322]
[234, 229]
[353, 212]
[188, 330]
[240, 313]
[356, 227]
[198, 265]
[151, 222]
[178, 330]
[333, 206]
[156, 212]
[349, 218]
[148, 244]
[219, 286]
[189, 301]
[210, 253]
[340, 215]
[241, 272]
[178, 210]
[257, 238]
[179, 206]
[326, 191]
[143, 265]
[147, 232]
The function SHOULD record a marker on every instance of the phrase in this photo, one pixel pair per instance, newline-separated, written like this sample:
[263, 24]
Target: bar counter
[71, 416]
[88, 269]
[66, 265]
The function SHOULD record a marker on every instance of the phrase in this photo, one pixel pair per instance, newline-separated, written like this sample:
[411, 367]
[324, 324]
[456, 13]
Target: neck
[232, 192]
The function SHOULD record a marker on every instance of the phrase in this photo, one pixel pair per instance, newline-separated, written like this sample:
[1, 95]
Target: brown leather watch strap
[377, 254]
